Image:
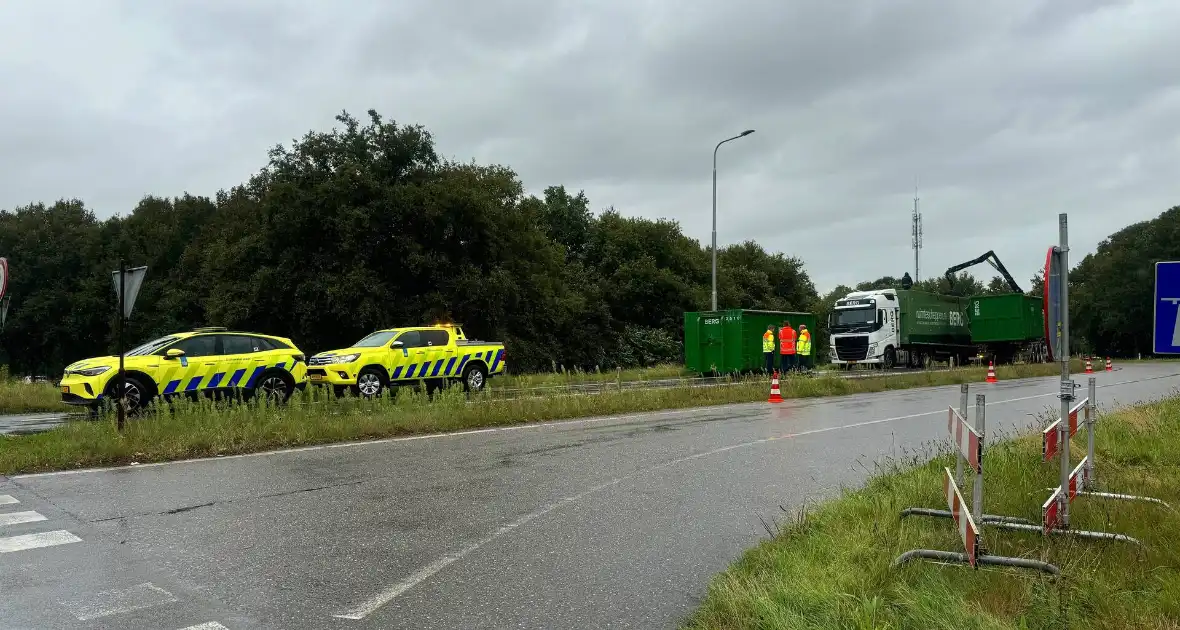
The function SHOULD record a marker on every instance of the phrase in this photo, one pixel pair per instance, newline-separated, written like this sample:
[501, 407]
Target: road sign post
[127, 285]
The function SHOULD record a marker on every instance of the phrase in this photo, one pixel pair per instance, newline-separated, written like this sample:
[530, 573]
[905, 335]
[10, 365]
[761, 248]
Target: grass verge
[204, 429]
[830, 568]
[20, 397]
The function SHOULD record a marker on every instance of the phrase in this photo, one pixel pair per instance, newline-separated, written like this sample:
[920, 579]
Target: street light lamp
[740, 135]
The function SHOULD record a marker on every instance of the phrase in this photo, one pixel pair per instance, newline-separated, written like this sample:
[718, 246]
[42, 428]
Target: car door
[242, 361]
[187, 373]
[406, 359]
[439, 352]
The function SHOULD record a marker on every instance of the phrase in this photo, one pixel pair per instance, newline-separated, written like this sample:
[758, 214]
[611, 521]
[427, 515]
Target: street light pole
[740, 135]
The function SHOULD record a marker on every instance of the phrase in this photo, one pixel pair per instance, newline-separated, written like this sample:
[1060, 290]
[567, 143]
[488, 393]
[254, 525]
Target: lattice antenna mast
[916, 232]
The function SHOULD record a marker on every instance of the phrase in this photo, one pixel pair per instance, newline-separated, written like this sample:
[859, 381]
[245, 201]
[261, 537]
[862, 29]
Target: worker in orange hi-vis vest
[803, 348]
[786, 346]
[768, 347]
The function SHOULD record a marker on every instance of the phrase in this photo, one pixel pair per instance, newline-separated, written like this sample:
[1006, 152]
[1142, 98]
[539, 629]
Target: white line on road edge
[372, 605]
[115, 602]
[532, 426]
[6, 499]
[16, 518]
[36, 541]
[211, 625]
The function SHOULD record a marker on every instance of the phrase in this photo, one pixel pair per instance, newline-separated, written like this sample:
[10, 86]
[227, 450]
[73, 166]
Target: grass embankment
[831, 567]
[202, 429]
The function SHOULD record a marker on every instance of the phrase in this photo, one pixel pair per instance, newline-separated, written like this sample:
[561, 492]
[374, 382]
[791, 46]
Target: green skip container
[1010, 317]
[730, 341]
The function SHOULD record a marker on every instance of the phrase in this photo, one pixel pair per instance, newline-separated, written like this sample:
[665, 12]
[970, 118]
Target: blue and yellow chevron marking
[496, 361]
[397, 373]
[254, 376]
[215, 380]
[233, 380]
[450, 371]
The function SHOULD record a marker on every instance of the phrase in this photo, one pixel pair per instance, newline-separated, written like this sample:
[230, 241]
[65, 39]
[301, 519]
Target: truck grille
[319, 361]
[852, 348]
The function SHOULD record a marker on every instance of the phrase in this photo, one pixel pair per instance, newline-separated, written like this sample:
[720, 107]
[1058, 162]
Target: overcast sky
[1006, 111]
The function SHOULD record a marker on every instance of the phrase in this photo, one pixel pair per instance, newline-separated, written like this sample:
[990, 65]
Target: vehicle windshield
[151, 346]
[852, 318]
[376, 339]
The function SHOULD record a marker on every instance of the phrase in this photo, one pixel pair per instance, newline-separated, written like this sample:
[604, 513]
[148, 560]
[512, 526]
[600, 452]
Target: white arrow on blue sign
[1167, 308]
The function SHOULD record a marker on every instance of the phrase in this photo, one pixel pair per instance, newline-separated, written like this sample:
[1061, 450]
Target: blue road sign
[1167, 308]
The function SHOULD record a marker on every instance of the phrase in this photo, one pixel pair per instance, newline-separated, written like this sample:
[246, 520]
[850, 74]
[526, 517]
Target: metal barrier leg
[1080, 533]
[961, 558]
[1126, 497]
[987, 518]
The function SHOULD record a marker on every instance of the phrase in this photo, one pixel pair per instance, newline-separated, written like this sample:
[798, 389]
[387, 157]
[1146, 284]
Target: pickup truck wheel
[474, 378]
[370, 383]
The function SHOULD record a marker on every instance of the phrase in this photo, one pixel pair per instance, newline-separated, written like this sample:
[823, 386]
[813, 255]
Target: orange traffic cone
[1109, 365]
[991, 372]
[775, 395]
[1089, 366]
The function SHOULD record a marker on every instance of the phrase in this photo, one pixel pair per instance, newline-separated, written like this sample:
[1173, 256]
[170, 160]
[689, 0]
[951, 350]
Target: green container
[933, 319]
[730, 341]
[1010, 317]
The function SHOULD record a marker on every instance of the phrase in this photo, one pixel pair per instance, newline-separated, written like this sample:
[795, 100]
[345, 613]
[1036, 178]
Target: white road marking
[35, 541]
[6, 499]
[16, 518]
[115, 602]
[210, 625]
[533, 426]
[384, 597]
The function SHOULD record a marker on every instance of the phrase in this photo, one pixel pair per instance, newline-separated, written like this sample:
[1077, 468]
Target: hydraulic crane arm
[991, 259]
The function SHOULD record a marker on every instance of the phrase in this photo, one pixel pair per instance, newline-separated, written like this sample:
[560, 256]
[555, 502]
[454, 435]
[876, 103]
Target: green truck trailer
[730, 341]
[1008, 327]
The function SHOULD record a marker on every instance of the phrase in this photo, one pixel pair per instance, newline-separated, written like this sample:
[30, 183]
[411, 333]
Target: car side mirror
[174, 353]
[397, 344]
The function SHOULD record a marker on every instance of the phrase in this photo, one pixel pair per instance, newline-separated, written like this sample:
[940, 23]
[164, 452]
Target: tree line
[366, 227]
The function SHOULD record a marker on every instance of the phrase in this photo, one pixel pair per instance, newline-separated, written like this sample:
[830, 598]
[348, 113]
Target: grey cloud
[1008, 111]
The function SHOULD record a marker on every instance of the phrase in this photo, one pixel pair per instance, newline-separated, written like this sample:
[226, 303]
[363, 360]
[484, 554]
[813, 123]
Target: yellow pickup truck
[387, 358]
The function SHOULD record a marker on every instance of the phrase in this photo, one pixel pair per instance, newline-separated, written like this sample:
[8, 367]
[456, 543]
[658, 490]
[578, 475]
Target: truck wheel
[474, 378]
[890, 358]
[370, 383]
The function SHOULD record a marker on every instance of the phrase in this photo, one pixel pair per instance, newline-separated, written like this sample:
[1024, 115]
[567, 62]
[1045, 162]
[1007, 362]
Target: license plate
[315, 377]
[852, 363]
[65, 389]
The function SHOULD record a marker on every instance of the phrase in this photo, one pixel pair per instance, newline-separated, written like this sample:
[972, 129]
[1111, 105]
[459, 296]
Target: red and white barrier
[968, 531]
[1081, 480]
[969, 445]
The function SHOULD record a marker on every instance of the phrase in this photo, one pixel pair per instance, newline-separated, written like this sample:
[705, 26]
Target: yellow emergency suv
[398, 356]
[203, 361]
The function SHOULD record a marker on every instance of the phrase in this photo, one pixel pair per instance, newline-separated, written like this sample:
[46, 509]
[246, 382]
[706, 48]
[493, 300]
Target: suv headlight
[94, 371]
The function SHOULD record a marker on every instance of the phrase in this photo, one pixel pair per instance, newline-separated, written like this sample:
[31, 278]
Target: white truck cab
[864, 329]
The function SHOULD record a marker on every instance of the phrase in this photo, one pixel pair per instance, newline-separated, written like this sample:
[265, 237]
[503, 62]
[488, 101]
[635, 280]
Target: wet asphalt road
[600, 523]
